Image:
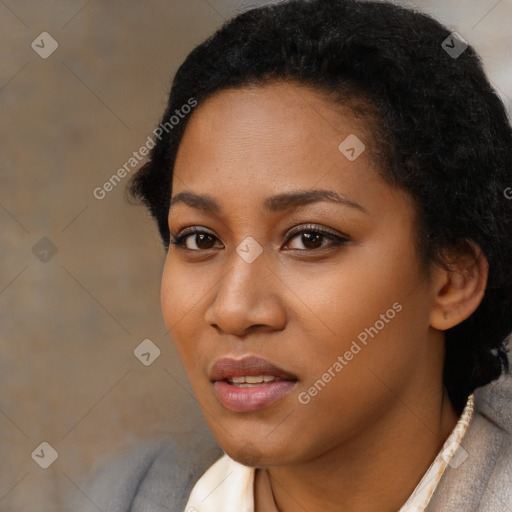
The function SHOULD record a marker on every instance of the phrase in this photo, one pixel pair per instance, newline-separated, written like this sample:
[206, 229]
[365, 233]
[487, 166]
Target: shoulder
[154, 476]
[495, 405]
[482, 478]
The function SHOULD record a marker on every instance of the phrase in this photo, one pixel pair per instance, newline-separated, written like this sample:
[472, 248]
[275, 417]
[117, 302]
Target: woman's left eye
[310, 238]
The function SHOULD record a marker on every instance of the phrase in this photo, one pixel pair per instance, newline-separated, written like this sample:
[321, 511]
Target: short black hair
[439, 128]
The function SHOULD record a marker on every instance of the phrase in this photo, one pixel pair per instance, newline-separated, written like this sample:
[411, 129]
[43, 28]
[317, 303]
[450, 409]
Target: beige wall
[69, 325]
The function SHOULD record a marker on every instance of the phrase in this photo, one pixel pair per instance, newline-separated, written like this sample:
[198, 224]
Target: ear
[459, 290]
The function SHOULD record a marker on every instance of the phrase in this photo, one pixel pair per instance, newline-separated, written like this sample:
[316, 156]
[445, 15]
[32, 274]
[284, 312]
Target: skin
[367, 438]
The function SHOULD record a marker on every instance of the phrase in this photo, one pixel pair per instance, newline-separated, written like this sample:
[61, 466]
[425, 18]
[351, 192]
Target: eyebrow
[278, 203]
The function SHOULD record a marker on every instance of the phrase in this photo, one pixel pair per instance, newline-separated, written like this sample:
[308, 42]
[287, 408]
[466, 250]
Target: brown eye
[194, 240]
[312, 239]
[203, 240]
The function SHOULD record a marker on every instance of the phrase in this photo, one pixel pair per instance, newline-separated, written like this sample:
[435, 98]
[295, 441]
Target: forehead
[279, 135]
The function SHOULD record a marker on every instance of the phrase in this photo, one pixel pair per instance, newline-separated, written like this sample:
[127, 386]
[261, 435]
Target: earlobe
[459, 290]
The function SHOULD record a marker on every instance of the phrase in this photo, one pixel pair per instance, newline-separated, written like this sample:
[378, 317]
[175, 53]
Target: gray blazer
[159, 476]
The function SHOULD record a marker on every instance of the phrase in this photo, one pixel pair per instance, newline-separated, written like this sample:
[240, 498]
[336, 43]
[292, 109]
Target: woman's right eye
[199, 240]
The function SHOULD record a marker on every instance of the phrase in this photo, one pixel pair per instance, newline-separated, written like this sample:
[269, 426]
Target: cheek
[181, 293]
[351, 294]
[169, 293]
[180, 296]
[369, 308]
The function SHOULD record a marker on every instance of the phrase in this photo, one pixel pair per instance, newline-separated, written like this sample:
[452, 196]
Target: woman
[329, 183]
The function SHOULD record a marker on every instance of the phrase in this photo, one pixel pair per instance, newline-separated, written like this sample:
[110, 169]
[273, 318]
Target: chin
[248, 454]
[259, 454]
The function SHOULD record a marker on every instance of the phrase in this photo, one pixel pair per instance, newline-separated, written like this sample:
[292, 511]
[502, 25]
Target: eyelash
[336, 240]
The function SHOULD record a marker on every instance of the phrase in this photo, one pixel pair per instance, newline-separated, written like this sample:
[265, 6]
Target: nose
[248, 296]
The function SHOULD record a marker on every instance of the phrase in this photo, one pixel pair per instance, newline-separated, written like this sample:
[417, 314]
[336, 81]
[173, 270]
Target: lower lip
[254, 398]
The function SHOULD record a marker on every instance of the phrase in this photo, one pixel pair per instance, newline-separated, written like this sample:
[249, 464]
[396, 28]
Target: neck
[375, 470]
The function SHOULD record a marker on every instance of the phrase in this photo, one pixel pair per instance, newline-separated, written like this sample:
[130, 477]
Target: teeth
[251, 379]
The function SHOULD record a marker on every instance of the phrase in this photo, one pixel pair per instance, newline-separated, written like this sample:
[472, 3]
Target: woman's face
[346, 319]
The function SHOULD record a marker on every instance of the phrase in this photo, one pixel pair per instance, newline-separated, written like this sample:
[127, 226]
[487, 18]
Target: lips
[227, 368]
[250, 384]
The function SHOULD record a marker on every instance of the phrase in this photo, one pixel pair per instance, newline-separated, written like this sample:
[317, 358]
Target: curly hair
[439, 131]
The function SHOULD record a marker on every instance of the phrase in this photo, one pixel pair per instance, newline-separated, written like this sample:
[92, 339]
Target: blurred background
[83, 84]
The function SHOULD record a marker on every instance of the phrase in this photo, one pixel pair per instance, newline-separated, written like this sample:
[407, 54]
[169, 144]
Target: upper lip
[227, 367]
